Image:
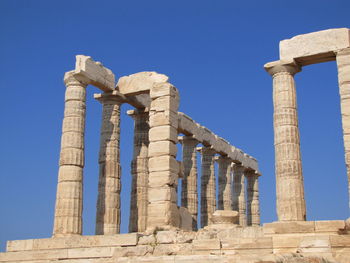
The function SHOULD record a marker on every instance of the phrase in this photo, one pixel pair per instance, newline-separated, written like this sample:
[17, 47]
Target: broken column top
[315, 47]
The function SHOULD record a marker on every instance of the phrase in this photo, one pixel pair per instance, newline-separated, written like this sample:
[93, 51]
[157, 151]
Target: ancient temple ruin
[160, 230]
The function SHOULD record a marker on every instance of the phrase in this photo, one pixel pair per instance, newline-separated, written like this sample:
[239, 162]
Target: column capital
[207, 150]
[251, 173]
[70, 79]
[138, 113]
[224, 158]
[188, 139]
[238, 168]
[113, 97]
[282, 66]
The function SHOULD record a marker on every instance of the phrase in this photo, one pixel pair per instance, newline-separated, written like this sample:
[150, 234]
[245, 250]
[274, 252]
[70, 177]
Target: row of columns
[229, 197]
[154, 169]
[288, 167]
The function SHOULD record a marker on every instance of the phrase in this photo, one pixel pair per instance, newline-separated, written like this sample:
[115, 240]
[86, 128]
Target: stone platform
[215, 243]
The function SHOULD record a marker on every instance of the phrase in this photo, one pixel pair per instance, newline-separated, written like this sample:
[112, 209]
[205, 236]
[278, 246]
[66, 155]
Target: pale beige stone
[186, 219]
[315, 47]
[139, 82]
[163, 133]
[226, 217]
[253, 203]
[161, 148]
[238, 197]
[166, 237]
[329, 225]
[94, 73]
[289, 227]
[225, 195]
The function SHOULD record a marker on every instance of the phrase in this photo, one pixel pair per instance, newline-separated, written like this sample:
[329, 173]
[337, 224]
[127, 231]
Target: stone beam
[140, 83]
[315, 47]
[94, 73]
[189, 127]
[141, 101]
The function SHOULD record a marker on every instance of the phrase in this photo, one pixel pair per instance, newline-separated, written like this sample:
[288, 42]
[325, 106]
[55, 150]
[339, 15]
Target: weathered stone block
[165, 103]
[329, 225]
[315, 47]
[166, 237]
[163, 118]
[186, 219]
[162, 178]
[206, 244]
[160, 148]
[162, 194]
[163, 89]
[289, 227]
[163, 163]
[162, 133]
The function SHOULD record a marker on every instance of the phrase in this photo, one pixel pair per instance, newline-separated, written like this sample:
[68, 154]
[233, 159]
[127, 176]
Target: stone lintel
[94, 73]
[140, 83]
[112, 96]
[315, 47]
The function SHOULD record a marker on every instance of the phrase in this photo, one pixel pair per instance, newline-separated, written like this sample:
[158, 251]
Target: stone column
[189, 194]
[162, 165]
[253, 205]
[139, 172]
[343, 62]
[208, 196]
[238, 197]
[109, 187]
[224, 202]
[69, 197]
[289, 178]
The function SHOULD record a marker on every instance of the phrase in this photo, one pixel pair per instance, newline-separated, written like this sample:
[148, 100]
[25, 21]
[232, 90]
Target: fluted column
[208, 197]
[343, 62]
[139, 172]
[238, 196]
[189, 194]
[225, 199]
[109, 187]
[69, 197]
[253, 204]
[289, 178]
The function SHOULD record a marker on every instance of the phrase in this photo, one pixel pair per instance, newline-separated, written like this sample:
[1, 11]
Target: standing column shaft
[238, 197]
[224, 202]
[139, 172]
[189, 194]
[253, 205]
[343, 62]
[69, 198]
[109, 187]
[208, 196]
[289, 178]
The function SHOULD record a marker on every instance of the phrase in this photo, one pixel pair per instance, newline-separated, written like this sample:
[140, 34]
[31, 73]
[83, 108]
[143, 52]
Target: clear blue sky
[213, 51]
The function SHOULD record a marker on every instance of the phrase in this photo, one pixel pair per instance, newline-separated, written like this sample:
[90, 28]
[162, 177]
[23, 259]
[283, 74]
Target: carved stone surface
[225, 195]
[139, 172]
[69, 197]
[253, 204]
[238, 196]
[289, 178]
[208, 196]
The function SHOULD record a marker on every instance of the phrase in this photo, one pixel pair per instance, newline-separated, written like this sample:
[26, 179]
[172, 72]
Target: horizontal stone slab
[289, 227]
[315, 47]
[73, 242]
[94, 73]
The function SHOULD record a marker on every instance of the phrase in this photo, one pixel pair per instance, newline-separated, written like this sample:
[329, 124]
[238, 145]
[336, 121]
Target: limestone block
[247, 243]
[160, 148]
[289, 227]
[163, 163]
[172, 249]
[224, 217]
[162, 194]
[329, 225]
[163, 178]
[91, 252]
[186, 219]
[284, 241]
[21, 256]
[166, 237]
[19, 245]
[137, 251]
[340, 240]
[165, 103]
[206, 244]
[161, 133]
[315, 47]
[94, 73]
[185, 236]
[139, 82]
[315, 244]
[163, 89]
[187, 125]
[147, 240]
[163, 118]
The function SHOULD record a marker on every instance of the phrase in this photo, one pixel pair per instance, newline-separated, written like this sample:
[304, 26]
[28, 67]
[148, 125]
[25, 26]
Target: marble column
[208, 196]
[253, 205]
[109, 185]
[189, 194]
[288, 168]
[225, 199]
[139, 172]
[343, 63]
[69, 197]
[238, 195]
